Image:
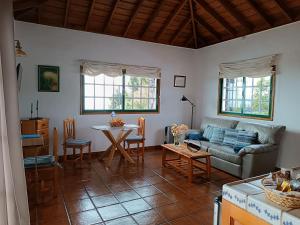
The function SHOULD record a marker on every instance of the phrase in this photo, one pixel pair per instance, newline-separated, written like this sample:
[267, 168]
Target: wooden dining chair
[70, 140]
[138, 139]
[42, 169]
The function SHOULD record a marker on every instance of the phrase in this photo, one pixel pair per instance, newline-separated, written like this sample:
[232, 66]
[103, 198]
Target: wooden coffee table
[186, 162]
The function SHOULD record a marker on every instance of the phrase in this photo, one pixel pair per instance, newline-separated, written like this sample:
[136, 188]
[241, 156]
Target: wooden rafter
[68, 3]
[89, 14]
[187, 44]
[236, 14]
[284, 10]
[216, 16]
[111, 15]
[170, 19]
[180, 30]
[154, 15]
[135, 12]
[193, 23]
[28, 4]
[208, 27]
[260, 12]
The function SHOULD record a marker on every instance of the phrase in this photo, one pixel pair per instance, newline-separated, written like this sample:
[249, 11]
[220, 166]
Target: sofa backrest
[217, 122]
[267, 134]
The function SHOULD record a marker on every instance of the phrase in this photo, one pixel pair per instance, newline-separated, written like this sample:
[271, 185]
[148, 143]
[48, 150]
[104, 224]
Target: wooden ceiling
[186, 23]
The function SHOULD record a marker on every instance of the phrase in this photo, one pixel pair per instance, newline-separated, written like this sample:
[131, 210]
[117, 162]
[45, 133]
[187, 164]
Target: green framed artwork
[48, 78]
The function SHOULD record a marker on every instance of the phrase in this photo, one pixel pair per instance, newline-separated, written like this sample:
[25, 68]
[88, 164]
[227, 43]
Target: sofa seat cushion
[226, 153]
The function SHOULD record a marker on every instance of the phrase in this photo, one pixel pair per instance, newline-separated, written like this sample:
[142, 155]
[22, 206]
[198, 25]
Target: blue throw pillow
[217, 135]
[195, 136]
[245, 138]
[208, 131]
[230, 137]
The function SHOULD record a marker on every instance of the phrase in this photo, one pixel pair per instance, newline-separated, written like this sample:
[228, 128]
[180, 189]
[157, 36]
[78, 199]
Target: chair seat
[77, 142]
[43, 160]
[134, 138]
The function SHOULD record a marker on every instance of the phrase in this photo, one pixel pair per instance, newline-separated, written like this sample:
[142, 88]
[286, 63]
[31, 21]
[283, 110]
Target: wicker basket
[281, 198]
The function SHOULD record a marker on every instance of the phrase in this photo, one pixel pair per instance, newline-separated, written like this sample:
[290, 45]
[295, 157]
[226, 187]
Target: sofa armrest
[257, 149]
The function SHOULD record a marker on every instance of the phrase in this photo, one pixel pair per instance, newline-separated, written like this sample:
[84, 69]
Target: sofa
[252, 160]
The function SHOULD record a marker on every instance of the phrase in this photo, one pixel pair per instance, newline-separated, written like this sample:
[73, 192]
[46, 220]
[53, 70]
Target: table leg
[208, 166]
[105, 153]
[190, 170]
[116, 144]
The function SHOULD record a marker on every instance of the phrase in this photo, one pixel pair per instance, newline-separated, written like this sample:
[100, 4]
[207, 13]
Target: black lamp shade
[184, 98]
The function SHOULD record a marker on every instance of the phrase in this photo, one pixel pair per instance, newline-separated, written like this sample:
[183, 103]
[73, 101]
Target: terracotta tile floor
[130, 194]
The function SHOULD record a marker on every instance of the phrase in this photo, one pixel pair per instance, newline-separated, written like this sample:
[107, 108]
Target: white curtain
[92, 68]
[9, 207]
[258, 67]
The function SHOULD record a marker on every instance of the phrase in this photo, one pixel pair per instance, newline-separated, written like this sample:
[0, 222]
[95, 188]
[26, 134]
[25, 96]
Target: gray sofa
[250, 161]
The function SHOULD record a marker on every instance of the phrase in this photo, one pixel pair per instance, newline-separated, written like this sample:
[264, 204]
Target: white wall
[63, 47]
[283, 40]
[56, 46]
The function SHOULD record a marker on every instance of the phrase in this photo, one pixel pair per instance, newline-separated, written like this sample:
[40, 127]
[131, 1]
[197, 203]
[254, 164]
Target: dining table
[115, 141]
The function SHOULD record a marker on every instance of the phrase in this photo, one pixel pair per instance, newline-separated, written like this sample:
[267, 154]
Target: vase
[176, 140]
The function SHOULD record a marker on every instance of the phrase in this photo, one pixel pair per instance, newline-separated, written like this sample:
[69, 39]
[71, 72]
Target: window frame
[247, 115]
[119, 111]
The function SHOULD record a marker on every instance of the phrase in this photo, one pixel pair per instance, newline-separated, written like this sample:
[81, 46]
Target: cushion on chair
[43, 160]
[77, 142]
[134, 138]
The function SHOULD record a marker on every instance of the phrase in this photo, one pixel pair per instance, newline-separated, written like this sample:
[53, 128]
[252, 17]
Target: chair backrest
[69, 129]
[55, 144]
[141, 129]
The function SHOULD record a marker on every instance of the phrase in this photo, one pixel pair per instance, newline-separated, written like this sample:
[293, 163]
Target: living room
[185, 68]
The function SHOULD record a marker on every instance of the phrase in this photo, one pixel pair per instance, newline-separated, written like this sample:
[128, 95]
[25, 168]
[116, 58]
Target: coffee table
[186, 162]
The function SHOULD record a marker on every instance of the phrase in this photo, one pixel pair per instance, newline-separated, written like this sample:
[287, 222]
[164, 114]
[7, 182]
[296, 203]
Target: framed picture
[179, 81]
[48, 78]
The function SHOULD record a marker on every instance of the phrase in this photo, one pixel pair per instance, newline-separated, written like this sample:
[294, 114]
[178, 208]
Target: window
[248, 97]
[121, 94]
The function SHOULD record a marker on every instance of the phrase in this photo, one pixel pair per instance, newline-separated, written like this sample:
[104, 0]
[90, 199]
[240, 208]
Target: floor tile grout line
[114, 196]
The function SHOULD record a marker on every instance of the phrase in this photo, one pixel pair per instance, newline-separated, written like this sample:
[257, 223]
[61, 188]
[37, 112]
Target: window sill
[254, 117]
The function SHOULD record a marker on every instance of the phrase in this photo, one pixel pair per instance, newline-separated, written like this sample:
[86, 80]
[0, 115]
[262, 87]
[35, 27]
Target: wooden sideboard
[37, 126]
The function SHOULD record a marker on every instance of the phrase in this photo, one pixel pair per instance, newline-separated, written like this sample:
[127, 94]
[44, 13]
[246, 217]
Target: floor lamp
[184, 99]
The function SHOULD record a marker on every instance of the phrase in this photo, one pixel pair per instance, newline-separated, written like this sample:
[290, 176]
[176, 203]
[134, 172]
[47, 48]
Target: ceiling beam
[187, 44]
[86, 26]
[260, 12]
[283, 8]
[236, 14]
[151, 19]
[28, 4]
[170, 19]
[111, 15]
[216, 16]
[193, 24]
[208, 27]
[67, 12]
[132, 18]
[180, 30]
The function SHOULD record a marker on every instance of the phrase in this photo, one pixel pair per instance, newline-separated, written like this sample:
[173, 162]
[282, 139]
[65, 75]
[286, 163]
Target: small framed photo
[179, 81]
[48, 78]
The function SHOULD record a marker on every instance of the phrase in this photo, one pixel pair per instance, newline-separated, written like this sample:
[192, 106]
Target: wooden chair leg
[55, 182]
[81, 153]
[65, 153]
[143, 150]
[138, 151]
